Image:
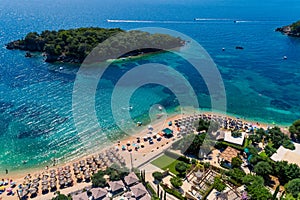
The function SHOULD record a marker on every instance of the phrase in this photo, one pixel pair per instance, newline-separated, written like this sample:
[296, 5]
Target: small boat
[284, 57]
[239, 47]
[61, 68]
[234, 21]
[139, 124]
[223, 49]
[160, 108]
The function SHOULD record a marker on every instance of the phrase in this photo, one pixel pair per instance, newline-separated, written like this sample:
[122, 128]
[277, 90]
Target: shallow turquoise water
[36, 122]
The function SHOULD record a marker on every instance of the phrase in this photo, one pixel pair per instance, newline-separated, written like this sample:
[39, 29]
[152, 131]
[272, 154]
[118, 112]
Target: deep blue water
[36, 122]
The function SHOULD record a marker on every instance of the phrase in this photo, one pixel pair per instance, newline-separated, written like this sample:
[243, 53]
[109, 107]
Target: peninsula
[291, 30]
[73, 45]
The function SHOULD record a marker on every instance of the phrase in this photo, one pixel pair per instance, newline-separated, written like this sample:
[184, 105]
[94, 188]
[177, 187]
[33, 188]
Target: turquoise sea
[36, 121]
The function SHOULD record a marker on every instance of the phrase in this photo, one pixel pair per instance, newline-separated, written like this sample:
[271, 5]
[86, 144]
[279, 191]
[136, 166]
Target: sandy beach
[133, 157]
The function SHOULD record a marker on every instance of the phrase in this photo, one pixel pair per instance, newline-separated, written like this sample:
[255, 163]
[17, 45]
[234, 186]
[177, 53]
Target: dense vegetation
[115, 173]
[208, 126]
[60, 196]
[296, 26]
[75, 44]
[190, 144]
[295, 127]
[176, 182]
[293, 187]
[291, 30]
[158, 176]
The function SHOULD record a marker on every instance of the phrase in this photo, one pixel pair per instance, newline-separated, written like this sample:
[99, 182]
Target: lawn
[263, 154]
[164, 162]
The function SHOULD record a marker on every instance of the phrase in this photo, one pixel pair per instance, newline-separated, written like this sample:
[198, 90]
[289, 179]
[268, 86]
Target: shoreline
[141, 130]
[141, 156]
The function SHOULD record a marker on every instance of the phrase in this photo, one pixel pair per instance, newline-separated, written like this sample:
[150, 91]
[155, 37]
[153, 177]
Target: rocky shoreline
[15, 45]
[38, 47]
[74, 45]
[292, 30]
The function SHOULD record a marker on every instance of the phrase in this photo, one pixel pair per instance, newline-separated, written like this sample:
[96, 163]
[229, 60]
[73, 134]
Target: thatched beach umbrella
[101, 156]
[79, 176]
[61, 177]
[44, 182]
[32, 191]
[60, 173]
[35, 185]
[61, 182]
[90, 161]
[70, 181]
[76, 171]
[45, 187]
[52, 180]
[45, 177]
[82, 164]
[87, 176]
[36, 180]
[25, 192]
[68, 175]
[67, 167]
[53, 175]
[53, 185]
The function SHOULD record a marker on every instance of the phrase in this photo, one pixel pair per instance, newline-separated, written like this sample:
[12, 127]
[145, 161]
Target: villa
[98, 193]
[291, 156]
[131, 179]
[116, 187]
[228, 154]
[234, 140]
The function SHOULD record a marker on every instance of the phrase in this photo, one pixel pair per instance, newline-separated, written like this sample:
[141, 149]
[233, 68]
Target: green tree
[252, 150]
[213, 126]
[255, 187]
[236, 162]
[252, 180]
[259, 193]
[269, 150]
[219, 185]
[60, 196]
[206, 165]
[181, 168]
[261, 132]
[116, 172]
[190, 144]
[290, 197]
[236, 174]
[255, 138]
[203, 125]
[278, 138]
[286, 172]
[263, 168]
[98, 179]
[295, 129]
[236, 134]
[293, 187]
[176, 182]
[158, 176]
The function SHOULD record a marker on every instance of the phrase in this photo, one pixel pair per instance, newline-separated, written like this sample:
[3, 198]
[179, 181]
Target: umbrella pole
[18, 195]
